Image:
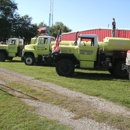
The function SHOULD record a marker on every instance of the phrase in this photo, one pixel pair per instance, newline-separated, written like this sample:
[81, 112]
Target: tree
[42, 24]
[7, 12]
[54, 30]
[22, 27]
[7, 9]
[14, 25]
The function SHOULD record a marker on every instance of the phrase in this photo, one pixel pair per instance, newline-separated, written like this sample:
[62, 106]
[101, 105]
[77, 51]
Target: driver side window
[45, 40]
[13, 42]
[41, 41]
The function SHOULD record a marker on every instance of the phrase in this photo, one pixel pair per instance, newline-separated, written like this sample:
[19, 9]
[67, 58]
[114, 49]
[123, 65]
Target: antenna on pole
[51, 15]
[52, 11]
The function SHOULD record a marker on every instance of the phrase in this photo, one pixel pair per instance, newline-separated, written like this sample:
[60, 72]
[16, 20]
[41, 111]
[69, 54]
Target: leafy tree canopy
[54, 28]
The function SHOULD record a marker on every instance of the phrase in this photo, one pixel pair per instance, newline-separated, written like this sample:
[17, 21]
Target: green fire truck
[40, 46]
[88, 53]
[12, 48]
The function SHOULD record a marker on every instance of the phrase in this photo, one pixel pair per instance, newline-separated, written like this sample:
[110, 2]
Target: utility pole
[51, 15]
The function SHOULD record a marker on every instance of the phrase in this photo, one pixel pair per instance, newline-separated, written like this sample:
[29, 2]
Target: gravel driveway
[63, 115]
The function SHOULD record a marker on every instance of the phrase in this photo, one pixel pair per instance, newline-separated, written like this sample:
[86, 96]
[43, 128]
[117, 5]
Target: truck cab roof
[45, 39]
[16, 41]
[88, 37]
[46, 36]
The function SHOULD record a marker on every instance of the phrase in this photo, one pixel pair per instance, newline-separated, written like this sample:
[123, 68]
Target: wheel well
[29, 53]
[71, 57]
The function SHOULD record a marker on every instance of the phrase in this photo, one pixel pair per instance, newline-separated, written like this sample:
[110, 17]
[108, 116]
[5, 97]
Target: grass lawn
[14, 115]
[95, 83]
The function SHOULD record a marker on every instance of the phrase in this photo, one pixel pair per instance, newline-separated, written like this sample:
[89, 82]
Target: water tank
[111, 44]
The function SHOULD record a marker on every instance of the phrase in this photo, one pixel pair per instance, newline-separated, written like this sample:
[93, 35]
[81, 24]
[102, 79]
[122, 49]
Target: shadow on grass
[13, 61]
[44, 65]
[93, 76]
[96, 76]
[82, 75]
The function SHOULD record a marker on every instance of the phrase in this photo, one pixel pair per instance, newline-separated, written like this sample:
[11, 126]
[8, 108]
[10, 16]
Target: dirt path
[63, 115]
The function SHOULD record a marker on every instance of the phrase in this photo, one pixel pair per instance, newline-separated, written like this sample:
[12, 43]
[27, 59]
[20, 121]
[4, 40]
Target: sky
[78, 15]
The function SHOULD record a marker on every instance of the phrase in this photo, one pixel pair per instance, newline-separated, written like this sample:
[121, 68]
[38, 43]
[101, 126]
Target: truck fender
[60, 56]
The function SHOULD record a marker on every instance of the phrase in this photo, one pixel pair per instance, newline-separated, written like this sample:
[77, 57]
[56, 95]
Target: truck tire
[65, 67]
[119, 73]
[29, 60]
[2, 56]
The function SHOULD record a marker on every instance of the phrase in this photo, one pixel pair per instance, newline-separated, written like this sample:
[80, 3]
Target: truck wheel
[29, 60]
[65, 67]
[119, 73]
[2, 56]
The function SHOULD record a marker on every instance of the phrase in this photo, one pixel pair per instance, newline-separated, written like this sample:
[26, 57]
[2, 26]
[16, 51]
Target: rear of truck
[126, 66]
[115, 49]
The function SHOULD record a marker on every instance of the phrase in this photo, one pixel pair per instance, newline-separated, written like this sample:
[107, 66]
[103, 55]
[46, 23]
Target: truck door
[42, 47]
[87, 56]
[88, 53]
[12, 48]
